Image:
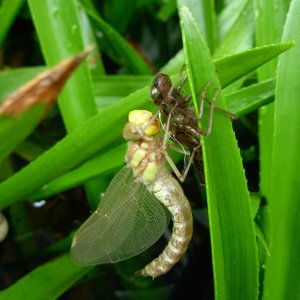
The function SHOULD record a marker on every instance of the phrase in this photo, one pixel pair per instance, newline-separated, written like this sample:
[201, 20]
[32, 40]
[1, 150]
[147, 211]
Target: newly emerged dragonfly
[134, 211]
[179, 117]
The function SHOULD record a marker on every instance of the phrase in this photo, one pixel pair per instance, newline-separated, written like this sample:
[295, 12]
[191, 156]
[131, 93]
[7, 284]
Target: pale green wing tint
[128, 220]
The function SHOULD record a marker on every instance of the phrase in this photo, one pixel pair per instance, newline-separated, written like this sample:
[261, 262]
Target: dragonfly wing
[128, 220]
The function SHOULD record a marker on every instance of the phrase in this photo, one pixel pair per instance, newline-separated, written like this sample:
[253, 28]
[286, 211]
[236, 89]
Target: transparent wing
[128, 220]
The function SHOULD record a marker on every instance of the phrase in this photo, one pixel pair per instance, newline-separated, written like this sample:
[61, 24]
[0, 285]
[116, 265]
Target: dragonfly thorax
[145, 159]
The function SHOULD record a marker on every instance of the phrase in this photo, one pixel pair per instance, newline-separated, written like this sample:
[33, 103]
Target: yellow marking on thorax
[137, 157]
[150, 172]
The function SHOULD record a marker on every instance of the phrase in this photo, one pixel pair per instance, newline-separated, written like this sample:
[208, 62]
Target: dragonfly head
[142, 124]
[160, 88]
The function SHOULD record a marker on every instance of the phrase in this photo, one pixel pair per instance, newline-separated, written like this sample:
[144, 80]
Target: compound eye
[154, 94]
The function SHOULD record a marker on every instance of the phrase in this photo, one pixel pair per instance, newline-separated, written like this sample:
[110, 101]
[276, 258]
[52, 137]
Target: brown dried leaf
[44, 88]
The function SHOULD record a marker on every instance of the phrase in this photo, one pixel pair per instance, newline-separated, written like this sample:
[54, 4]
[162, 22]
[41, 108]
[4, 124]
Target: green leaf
[120, 13]
[29, 150]
[61, 32]
[240, 35]
[233, 67]
[262, 239]
[250, 98]
[6, 169]
[96, 166]
[14, 129]
[228, 17]
[89, 38]
[168, 9]
[58, 27]
[282, 267]
[269, 20]
[231, 225]
[261, 215]
[48, 281]
[9, 10]
[111, 88]
[204, 16]
[119, 46]
[264, 225]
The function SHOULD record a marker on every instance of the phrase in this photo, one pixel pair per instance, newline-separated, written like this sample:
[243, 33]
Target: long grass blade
[231, 225]
[282, 267]
[48, 281]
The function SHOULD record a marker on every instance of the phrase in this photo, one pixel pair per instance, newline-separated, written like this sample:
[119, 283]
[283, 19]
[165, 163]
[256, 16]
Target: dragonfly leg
[187, 98]
[179, 150]
[167, 134]
[181, 176]
[184, 79]
[230, 115]
[167, 129]
[180, 84]
[203, 96]
[211, 111]
[173, 166]
[182, 69]
[178, 76]
[202, 99]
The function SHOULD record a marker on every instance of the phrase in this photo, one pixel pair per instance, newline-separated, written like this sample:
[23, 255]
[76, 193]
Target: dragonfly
[179, 117]
[137, 205]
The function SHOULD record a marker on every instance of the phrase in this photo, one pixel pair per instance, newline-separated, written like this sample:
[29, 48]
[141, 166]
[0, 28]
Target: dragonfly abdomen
[167, 190]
